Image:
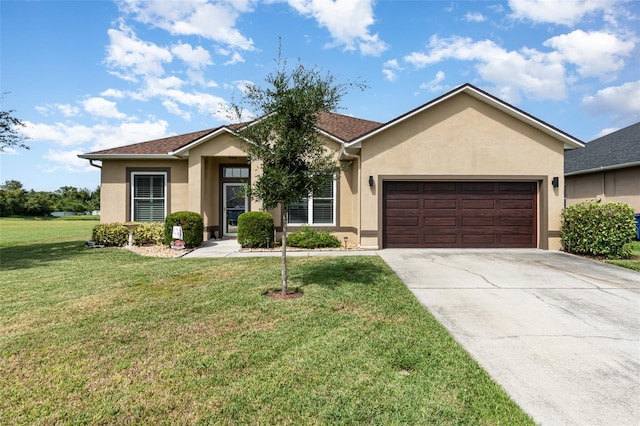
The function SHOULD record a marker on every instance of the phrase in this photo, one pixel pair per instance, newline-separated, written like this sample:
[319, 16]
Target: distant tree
[12, 198]
[71, 199]
[284, 139]
[10, 137]
[40, 203]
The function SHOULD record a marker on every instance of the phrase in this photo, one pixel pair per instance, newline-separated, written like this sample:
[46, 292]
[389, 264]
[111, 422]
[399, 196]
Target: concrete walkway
[561, 334]
[231, 248]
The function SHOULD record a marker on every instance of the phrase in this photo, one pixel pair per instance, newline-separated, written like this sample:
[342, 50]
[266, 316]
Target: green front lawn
[634, 262]
[103, 336]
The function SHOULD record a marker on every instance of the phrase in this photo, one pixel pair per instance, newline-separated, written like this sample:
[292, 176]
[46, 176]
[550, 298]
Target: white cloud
[622, 103]
[212, 20]
[194, 57]
[528, 71]
[235, 58]
[62, 134]
[66, 161]
[474, 17]
[101, 107]
[68, 110]
[99, 136]
[434, 85]
[347, 21]
[562, 12]
[113, 93]
[173, 108]
[595, 53]
[134, 57]
[389, 69]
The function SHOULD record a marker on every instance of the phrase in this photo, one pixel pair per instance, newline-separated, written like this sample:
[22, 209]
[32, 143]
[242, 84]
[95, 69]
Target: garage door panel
[460, 214]
[476, 240]
[517, 204]
[517, 221]
[443, 240]
[404, 240]
[404, 221]
[471, 204]
[439, 221]
[403, 204]
[478, 221]
[440, 204]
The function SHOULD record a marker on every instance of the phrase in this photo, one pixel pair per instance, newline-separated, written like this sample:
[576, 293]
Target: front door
[234, 203]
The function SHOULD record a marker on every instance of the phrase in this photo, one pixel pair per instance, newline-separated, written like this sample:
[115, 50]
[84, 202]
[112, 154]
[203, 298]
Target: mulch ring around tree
[277, 294]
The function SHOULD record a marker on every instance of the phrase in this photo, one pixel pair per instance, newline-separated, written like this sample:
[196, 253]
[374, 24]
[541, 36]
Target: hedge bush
[254, 228]
[597, 229]
[192, 228]
[310, 238]
[148, 233]
[110, 234]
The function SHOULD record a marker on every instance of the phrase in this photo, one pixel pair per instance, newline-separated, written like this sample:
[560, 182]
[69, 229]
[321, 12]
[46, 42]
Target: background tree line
[15, 200]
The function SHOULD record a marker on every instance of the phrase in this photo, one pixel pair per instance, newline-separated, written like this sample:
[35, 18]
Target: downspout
[358, 220]
[91, 162]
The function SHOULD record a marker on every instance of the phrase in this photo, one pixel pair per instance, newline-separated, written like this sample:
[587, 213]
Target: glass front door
[234, 203]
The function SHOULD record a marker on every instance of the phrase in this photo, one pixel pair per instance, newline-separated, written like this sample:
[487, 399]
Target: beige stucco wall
[115, 197]
[461, 139]
[621, 186]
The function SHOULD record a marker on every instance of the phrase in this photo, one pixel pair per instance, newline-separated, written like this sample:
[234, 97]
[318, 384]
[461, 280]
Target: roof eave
[569, 141]
[604, 168]
[127, 157]
[184, 150]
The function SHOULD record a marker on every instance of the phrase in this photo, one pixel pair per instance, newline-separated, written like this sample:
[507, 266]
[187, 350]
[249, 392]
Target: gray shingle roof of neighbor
[614, 150]
[343, 127]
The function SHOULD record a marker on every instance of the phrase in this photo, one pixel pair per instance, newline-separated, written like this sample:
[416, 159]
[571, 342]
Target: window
[319, 209]
[148, 196]
[236, 172]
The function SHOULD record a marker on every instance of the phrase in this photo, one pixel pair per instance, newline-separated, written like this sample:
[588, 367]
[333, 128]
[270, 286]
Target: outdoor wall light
[371, 181]
[555, 182]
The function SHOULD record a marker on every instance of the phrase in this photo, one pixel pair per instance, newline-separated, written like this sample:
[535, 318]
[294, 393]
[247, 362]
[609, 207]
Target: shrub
[310, 238]
[192, 227]
[254, 228]
[110, 234]
[596, 229]
[149, 233]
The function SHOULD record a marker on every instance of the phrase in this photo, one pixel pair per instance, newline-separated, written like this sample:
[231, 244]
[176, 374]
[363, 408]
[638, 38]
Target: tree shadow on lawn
[333, 272]
[35, 255]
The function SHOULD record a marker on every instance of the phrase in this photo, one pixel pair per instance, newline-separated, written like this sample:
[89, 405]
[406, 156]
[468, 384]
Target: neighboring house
[607, 169]
[463, 170]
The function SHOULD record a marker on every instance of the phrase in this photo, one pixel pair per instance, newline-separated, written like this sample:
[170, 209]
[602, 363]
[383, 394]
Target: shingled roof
[342, 127]
[615, 150]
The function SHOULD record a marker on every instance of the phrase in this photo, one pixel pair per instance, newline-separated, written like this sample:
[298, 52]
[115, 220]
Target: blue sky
[89, 75]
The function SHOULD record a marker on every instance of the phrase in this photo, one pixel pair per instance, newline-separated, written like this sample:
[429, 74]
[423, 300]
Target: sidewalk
[231, 248]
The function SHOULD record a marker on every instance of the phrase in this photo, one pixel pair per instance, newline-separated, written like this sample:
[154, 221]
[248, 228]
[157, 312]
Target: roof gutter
[604, 168]
[128, 157]
[91, 162]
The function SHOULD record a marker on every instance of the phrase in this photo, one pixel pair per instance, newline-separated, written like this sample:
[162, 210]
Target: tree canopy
[10, 137]
[284, 138]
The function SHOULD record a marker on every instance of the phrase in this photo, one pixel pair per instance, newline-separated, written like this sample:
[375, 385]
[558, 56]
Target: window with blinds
[319, 209]
[148, 195]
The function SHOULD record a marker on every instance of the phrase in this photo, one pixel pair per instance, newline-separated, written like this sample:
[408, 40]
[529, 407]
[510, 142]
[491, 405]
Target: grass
[103, 336]
[634, 262]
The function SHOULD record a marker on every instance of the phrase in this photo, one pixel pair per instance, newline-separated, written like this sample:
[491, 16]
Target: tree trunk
[284, 250]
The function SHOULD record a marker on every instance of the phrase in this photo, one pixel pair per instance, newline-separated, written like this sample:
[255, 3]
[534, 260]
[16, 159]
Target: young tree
[284, 139]
[9, 135]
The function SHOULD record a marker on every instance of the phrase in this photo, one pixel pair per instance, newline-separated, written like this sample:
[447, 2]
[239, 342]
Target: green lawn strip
[634, 262]
[28, 230]
[106, 336]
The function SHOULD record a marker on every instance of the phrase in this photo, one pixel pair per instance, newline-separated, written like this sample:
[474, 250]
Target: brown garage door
[460, 214]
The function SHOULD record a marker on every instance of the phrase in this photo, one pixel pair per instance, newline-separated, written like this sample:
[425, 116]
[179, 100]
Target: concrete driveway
[561, 334]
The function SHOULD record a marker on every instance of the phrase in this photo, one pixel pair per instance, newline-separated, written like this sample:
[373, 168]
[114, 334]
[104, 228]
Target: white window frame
[132, 190]
[310, 209]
